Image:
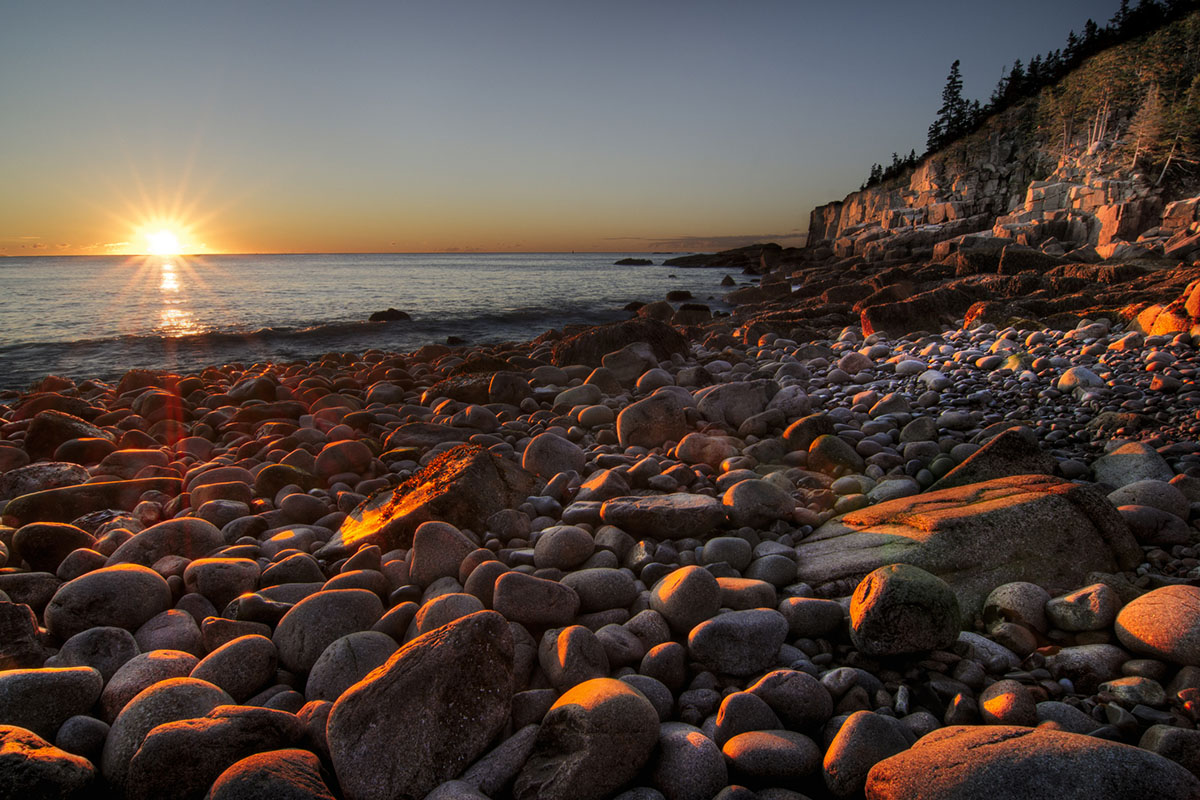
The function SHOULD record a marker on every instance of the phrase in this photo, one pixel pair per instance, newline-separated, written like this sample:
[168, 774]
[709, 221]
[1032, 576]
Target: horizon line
[368, 253]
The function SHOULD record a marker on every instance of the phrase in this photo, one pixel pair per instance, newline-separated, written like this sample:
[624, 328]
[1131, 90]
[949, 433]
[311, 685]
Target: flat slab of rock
[1006, 762]
[670, 516]
[463, 486]
[1033, 528]
[71, 502]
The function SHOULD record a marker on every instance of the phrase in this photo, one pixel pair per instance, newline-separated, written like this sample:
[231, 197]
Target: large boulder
[590, 345]
[179, 760]
[124, 596]
[1164, 623]
[593, 741]
[33, 769]
[1005, 762]
[189, 537]
[70, 502]
[1014, 451]
[463, 486]
[427, 713]
[1032, 528]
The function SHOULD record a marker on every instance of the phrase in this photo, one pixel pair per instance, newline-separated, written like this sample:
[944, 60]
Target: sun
[162, 242]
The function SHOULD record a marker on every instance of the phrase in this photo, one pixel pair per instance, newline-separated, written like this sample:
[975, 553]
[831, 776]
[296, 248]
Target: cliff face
[1061, 181]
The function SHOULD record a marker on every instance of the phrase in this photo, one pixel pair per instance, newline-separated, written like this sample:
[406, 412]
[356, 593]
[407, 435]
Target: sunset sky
[254, 126]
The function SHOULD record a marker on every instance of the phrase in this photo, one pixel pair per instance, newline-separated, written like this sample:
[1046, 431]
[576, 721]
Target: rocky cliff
[1053, 172]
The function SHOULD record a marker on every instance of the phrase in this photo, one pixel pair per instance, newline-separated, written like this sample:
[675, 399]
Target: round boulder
[125, 596]
[593, 741]
[1164, 623]
[903, 609]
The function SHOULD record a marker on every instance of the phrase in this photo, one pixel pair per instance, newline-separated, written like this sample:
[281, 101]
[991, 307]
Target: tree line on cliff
[1147, 95]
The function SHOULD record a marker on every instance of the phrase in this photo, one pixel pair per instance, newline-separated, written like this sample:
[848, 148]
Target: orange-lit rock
[427, 713]
[1004, 762]
[1033, 528]
[463, 486]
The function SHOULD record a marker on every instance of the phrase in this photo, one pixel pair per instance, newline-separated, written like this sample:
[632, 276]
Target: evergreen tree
[1014, 87]
[1071, 53]
[952, 119]
[1121, 18]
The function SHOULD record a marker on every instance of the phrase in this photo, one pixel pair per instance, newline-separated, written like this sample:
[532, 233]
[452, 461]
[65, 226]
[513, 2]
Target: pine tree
[952, 119]
[1072, 50]
[1014, 87]
[1121, 18]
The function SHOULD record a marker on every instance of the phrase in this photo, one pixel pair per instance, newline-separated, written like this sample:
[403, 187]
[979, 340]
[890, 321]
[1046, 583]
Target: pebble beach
[612, 562]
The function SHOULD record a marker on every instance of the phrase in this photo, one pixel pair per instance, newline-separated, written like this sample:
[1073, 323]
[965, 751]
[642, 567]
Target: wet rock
[438, 702]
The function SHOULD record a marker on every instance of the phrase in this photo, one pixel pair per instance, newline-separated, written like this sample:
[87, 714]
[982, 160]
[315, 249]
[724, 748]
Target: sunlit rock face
[1004, 761]
[463, 486]
[1034, 528]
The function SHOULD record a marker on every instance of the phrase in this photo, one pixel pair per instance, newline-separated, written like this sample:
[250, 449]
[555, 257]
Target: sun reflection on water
[174, 319]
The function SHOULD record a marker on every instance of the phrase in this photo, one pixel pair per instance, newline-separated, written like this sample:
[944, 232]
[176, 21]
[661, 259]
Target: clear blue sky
[367, 126]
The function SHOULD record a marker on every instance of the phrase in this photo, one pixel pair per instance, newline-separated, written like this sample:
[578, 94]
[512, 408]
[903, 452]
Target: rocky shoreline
[620, 561]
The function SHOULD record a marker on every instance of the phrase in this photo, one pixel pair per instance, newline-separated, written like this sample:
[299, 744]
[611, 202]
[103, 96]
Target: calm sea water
[95, 317]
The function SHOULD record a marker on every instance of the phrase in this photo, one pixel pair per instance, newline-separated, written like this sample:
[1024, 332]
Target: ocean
[98, 316]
